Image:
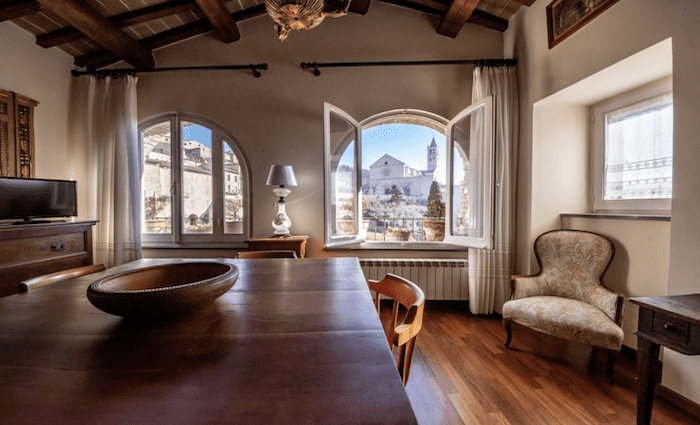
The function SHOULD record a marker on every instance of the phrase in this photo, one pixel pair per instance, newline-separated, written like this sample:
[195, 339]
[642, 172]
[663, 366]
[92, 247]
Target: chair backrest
[273, 253]
[407, 294]
[572, 264]
[47, 279]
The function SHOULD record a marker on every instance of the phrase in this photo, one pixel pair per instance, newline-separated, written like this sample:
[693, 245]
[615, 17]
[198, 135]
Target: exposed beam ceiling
[17, 8]
[158, 11]
[99, 33]
[220, 19]
[98, 28]
[104, 58]
[457, 15]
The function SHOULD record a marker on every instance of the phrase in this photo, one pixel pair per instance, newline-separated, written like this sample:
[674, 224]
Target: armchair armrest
[526, 286]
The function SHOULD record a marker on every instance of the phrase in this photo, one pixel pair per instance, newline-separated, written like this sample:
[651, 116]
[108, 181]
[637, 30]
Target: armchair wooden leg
[612, 359]
[507, 324]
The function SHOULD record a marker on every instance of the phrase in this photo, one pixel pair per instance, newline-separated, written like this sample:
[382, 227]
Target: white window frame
[452, 241]
[217, 239]
[647, 92]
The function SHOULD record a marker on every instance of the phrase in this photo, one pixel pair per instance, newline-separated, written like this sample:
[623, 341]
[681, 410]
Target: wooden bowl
[163, 289]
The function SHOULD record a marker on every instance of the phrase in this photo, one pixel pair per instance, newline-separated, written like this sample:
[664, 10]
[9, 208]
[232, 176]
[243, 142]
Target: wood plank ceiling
[99, 33]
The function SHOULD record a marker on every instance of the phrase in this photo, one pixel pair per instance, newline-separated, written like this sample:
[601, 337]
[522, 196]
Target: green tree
[153, 205]
[397, 198]
[436, 208]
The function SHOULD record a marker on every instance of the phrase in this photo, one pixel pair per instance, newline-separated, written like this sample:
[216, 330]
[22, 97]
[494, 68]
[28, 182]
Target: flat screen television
[29, 199]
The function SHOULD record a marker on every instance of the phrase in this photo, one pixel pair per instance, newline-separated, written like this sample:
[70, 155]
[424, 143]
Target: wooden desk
[294, 341]
[295, 243]
[671, 321]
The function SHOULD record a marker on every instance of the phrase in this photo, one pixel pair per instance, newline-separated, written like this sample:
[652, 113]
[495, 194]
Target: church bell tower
[433, 156]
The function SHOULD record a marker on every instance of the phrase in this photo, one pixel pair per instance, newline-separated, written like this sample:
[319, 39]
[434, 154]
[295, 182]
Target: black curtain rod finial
[314, 65]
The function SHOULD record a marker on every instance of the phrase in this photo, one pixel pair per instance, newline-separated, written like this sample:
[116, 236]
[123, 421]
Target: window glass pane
[472, 175]
[639, 151]
[196, 178]
[403, 183]
[157, 179]
[342, 179]
[460, 179]
[233, 194]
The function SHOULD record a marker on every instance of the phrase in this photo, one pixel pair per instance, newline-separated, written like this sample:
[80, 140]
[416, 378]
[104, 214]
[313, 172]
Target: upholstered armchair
[568, 299]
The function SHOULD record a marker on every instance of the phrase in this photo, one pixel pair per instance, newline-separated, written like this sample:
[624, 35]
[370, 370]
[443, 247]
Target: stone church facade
[388, 171]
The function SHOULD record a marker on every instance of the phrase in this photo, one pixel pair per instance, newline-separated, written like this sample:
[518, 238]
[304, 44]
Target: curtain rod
[478, 62]
[132, 71]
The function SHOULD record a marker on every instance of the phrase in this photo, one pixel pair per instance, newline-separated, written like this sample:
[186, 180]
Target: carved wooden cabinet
[32, 250]
[16, 135]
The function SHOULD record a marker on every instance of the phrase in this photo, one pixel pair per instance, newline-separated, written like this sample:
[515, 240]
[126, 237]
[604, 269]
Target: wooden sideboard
[296, 243]
[671, 321]
[30, 250]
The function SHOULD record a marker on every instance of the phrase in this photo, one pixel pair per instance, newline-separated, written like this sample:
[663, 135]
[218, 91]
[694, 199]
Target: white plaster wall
[559, 165]
[624, 29]
[277, 118]
[44, 75]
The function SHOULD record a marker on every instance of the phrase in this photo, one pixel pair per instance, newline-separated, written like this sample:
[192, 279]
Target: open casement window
[343, 177]
[469, 176]
[195, 183]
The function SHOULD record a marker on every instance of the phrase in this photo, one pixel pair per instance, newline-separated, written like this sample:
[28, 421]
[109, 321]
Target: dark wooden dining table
[294, 341]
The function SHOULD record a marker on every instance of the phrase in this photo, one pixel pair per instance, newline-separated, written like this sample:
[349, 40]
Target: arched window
[409, 176]
[195, 182]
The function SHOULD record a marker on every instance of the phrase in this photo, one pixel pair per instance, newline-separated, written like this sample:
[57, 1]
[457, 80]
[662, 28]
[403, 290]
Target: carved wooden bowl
[163, 289]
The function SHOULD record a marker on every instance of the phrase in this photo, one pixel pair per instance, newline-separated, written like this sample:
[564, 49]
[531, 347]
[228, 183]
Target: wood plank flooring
[462, 374]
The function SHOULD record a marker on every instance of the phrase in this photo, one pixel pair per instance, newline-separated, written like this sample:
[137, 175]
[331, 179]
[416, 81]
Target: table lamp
[281, 175]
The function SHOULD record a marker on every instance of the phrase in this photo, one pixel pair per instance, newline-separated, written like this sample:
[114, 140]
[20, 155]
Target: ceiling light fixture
[303, 14]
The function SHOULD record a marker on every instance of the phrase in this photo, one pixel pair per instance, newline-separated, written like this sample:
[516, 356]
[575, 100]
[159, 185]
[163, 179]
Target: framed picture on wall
[565, 17]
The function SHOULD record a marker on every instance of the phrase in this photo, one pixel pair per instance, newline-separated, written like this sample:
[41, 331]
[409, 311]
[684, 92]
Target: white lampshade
[281, 175]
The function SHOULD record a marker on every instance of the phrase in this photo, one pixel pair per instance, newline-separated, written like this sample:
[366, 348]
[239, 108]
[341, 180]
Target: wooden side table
[296, 243]
[671, 321]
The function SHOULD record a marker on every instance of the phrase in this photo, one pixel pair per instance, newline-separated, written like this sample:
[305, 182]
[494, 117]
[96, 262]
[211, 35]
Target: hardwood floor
[462, 374]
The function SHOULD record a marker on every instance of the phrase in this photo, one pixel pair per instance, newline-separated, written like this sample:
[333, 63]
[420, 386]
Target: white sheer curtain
[490, 270]
[114, 161]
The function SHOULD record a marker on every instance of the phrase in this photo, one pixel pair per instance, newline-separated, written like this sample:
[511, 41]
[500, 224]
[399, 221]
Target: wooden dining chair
[272, 253]
[403, 335]
[47, 279]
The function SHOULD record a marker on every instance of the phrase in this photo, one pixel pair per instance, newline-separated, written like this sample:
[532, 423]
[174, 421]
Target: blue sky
[198, 133]
[406, 142]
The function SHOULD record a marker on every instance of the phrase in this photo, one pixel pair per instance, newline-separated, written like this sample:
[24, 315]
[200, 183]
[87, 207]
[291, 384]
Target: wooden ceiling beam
[488, 20]
[527, 3]
[426, 6]
[457, 15]
[104, 58]
[13, 9]
[89, 21]
[146, 14]
[218, 16]
[359, 6]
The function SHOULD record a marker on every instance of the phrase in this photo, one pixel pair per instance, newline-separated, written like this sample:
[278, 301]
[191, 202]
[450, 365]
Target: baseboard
[678, 400]
[664, 393]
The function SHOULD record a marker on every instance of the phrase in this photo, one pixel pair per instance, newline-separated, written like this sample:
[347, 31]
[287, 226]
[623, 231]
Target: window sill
[620, 216]
[392, 246]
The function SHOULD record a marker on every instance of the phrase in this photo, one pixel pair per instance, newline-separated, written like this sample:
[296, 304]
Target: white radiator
[440, 279]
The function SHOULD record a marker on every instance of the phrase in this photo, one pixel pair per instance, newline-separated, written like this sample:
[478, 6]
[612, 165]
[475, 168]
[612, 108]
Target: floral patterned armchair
[568, 299]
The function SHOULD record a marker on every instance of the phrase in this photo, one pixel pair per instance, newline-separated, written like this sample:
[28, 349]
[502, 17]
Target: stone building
[388, 171]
